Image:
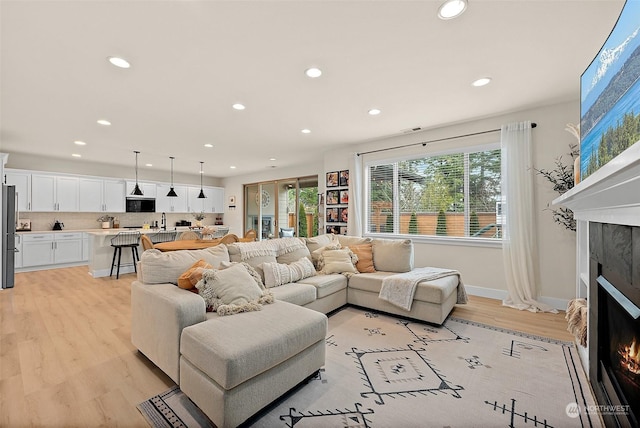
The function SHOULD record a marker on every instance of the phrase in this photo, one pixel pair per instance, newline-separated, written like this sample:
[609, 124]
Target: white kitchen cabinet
[148, 189]
[54, 193]
[97, 195]
[51, 248]
[37, 249]
[168, 204]
[213, 203]
[22, 181]
[67, 247]
[18, 255]
[85, 247]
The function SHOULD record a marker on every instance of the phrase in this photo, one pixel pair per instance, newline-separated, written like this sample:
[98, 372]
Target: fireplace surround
[614, 321]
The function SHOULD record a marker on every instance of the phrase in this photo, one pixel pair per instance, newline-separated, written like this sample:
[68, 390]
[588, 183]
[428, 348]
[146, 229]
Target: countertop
[99, 231]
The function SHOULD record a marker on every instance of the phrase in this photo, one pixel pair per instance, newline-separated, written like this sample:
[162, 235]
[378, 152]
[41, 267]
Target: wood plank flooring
[66, 359]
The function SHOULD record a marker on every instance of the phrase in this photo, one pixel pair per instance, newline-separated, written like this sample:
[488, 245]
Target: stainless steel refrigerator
[8, 229]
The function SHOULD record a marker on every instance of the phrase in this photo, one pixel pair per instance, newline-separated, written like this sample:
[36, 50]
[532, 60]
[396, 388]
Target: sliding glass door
[287, 207]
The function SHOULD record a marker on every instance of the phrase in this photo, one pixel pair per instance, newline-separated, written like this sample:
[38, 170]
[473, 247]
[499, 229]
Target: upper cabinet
[54, 193]
[148, 189]
[171, 204]
[22, 181]
[98, 195]
[212, 203]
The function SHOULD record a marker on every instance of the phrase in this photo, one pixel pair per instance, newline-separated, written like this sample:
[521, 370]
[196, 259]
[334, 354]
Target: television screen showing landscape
[610, 95]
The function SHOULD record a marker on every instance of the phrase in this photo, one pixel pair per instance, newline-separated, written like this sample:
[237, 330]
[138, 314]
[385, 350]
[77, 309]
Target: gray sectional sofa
[168, 321]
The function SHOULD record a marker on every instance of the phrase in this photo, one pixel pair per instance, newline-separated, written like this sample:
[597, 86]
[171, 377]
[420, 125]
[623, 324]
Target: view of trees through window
[449, 195]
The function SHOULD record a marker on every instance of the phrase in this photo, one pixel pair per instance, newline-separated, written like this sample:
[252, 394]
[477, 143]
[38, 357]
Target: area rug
[384, 371]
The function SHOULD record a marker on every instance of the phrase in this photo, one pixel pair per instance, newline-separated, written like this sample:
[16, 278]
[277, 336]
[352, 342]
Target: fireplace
[614, 322]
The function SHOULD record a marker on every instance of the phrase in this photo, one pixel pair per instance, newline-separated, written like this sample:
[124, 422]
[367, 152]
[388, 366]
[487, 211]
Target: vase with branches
[562, 178]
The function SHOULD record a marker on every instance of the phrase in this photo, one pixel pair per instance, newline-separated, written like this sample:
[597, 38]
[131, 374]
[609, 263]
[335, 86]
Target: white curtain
[519, 244]
[354, 225]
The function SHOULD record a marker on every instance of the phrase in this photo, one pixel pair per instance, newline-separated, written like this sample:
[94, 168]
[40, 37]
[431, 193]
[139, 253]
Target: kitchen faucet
[163, 221]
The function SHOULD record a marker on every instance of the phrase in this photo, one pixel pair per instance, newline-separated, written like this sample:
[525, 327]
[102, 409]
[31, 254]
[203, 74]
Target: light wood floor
[66, 358]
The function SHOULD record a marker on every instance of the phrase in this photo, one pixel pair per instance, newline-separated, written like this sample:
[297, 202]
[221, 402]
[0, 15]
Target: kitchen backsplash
[74, 221]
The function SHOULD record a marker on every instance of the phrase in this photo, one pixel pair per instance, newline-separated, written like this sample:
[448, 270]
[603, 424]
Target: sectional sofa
[170, 324]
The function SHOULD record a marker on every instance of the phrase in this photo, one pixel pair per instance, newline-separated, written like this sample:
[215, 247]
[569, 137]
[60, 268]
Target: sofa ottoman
[233, 366]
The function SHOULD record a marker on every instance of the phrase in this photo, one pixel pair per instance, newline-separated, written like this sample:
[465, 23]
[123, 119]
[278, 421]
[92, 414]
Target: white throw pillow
[337, 261]
[276, 274]
[157, 267]
[232, 290]
[393, 255]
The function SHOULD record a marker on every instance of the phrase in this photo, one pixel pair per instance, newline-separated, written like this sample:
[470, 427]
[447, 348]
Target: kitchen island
[101, 252]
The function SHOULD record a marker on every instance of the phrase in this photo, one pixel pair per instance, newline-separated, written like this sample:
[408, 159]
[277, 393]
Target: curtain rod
[424, 143]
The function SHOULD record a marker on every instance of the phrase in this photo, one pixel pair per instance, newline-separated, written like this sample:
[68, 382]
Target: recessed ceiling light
[79, 143]
[148, 164]
[232, 167]
[104, 122]
[374, 112]
[482, 81]
[239, 106]
[306, 131]
[76, 155]
[272, 159]
[451, 9]
[313, 72]
[119, 62]
[208, 145]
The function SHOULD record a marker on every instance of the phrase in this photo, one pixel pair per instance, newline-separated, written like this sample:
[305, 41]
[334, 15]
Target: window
[452, 195]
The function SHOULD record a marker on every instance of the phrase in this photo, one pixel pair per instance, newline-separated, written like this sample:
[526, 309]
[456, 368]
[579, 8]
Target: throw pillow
[256, 273]
[393, 255]
[365, 257]
[232, 290]
[315, 255]
[276, 274]
[191, 276]
[320, 241]
[337, 261]
[157, 267]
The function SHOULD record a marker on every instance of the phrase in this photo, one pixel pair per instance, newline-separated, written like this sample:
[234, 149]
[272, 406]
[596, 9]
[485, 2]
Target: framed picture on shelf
[344, 196]
[343, 215]
[332, 215]
[343, 230]
[343, 180]
[333, 197]
[332, 179]
[333, 229]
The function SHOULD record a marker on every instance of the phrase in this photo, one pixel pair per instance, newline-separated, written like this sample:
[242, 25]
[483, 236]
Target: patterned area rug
[383, 371]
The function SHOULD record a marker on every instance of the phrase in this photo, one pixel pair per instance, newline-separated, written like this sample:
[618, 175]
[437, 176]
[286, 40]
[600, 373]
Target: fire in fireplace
[630, 359]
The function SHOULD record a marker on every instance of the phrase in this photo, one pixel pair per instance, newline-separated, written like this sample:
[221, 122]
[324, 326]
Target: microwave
[140, 205]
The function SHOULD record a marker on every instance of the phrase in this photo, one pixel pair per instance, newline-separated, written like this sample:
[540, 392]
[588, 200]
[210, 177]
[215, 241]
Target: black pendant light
[201, 195]
[136, 190]
[172, 193]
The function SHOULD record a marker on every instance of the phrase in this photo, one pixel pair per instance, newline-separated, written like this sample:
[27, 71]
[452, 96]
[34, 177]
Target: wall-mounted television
[610, 94]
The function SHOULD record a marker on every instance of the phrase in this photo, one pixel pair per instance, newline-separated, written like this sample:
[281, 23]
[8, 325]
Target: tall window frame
[385, 211]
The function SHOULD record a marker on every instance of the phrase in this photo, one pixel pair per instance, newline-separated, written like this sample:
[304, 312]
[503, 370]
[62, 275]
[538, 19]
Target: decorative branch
[562, 179]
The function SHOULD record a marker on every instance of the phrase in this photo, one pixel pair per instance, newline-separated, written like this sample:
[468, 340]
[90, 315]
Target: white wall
[482, 267]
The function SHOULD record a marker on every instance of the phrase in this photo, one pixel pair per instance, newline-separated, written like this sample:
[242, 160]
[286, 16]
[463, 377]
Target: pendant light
[201, 195]
[172, 193]
[136, 190]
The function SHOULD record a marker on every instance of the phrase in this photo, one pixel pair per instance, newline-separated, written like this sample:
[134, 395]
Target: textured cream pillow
[348, 241]
[365, 257]
[276, 274]
[157, 267]
[320, 241]
[232, 290]
[315, 254]
[337, 261]
[393, 255]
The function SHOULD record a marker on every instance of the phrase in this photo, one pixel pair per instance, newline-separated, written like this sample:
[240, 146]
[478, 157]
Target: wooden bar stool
[124, 240]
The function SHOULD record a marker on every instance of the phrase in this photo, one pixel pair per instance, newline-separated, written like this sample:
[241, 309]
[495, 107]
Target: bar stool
[123, 240]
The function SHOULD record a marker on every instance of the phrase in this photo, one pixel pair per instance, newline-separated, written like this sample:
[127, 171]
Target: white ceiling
[191, 60]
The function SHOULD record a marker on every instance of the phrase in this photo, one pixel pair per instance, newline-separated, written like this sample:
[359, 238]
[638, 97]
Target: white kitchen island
[101, 252]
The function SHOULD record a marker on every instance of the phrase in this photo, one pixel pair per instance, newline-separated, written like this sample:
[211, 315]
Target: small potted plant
[199, 217]
[106, 221]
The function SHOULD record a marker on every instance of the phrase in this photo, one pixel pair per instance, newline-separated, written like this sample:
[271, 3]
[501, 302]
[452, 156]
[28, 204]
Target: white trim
[492, 293]
[441, 240]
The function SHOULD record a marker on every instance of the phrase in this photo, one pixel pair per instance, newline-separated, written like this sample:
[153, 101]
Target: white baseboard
[492, 293]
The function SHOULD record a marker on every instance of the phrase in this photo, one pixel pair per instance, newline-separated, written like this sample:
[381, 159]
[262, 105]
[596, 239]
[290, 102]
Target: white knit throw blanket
[399, 289]
[275, 247]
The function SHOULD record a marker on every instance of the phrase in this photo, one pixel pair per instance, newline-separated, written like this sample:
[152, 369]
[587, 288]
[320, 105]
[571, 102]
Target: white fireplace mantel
[609, 195]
